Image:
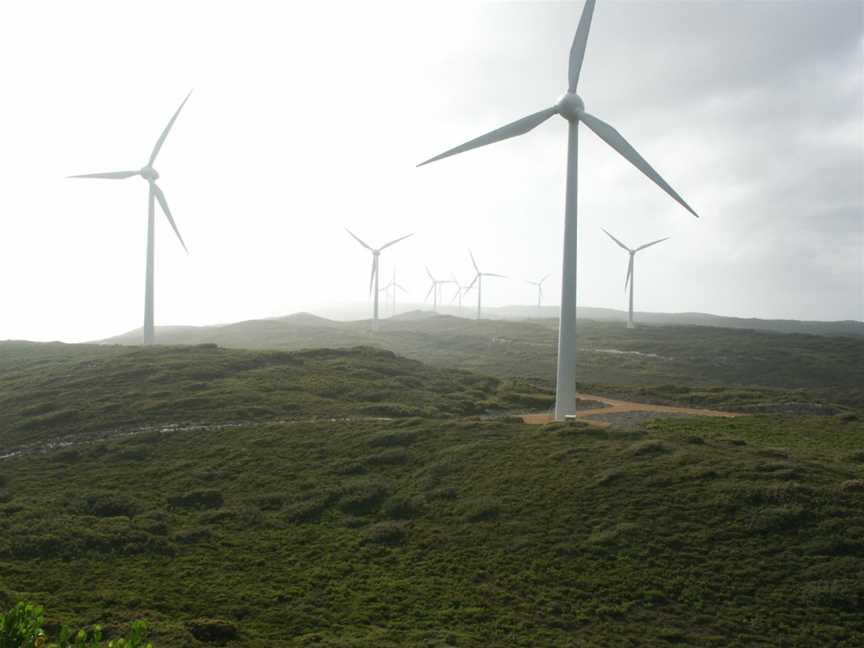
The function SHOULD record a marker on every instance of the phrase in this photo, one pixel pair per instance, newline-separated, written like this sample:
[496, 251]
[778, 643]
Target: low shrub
[22, 627]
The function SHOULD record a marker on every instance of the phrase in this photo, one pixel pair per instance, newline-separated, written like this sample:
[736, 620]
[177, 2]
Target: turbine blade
[629, 273]
[473, 281]
[492, 274]
[400, 287]
[161, 198]
[358, 240]
[518, 127]
[111, 175]
[431, 288]
[620, 244]
[473, 262]
[614, 139]
[580, 40]
[429, 273]
[164, 134]
[642, 247]
[393, 242]
[543, 279]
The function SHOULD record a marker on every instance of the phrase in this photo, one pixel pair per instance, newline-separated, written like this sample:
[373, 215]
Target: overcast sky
[310, 117]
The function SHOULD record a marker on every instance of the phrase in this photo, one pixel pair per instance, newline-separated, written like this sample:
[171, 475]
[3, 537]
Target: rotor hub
[149, 173]
[570, 106]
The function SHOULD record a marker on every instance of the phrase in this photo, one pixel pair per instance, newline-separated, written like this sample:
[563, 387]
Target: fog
[306, 119]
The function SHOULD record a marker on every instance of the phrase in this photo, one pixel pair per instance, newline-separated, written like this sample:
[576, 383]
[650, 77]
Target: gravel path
[625, 412]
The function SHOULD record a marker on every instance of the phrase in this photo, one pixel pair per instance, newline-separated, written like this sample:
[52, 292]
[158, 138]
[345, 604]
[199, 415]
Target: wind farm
[373, 277]
[478, 281]
[447, 448]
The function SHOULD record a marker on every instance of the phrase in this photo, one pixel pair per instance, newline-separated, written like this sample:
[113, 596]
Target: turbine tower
[478, 279]
[539, 285]
[155, 194]
[435, 288]
[460, 292]
[571, 107]
[390, 290]
[629, 278]
[373, 279]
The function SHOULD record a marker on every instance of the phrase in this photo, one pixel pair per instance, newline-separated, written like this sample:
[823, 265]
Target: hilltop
[840, 328]
[608, 354]
[54, 391]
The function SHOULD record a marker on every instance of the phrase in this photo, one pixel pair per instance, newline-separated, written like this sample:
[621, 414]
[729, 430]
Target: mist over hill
[362, 311]
[608, 353]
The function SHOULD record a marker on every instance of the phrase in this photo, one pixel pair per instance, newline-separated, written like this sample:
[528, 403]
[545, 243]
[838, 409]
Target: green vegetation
[462, 532]
[21, 627]
[356, 498]
[48, 391]
[830, 368]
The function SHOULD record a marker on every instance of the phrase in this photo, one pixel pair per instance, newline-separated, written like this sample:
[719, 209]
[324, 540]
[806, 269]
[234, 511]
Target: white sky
[309, 117]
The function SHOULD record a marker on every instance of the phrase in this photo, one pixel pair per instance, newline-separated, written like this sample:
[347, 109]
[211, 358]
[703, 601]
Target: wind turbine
[478, 279]
[435, 288]
[373, 279]
[539, 285]
[571, 107]
[150, 175]
[390, 291]
[460, 291]
[629, 278]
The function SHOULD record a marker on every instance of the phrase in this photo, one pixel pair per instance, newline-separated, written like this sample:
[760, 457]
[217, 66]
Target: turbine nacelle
[570, 106]
[149, 173]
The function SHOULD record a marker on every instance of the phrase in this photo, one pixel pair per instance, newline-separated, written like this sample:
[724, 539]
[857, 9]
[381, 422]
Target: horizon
[351, 312]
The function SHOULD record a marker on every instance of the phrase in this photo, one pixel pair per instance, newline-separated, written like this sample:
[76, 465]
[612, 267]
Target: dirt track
[614, 406]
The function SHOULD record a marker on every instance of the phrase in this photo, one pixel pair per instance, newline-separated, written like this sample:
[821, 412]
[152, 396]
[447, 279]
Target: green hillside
[608, 353]
[456, 532]
[353, 497]
[50, 391]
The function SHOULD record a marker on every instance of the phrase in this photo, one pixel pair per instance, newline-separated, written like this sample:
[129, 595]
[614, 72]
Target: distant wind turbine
[435, 289]
[460, 292]
[390, 291]
[373, 279]
[539, 285]
[150, 175]
[571, 107]
[478, 279]
[629, 278]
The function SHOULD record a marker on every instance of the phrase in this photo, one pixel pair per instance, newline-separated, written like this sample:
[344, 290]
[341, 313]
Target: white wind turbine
[390, 291]
[539, 285]
[435, 288]
[478, 279]
[629, 278]
[571, 107]
[460, 292]
[150, 175]
[373, 279]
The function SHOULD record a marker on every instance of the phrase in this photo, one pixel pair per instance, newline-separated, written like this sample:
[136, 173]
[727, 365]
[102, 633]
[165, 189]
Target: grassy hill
[608, 354]
[53, 391]
[449, 532]
[353, 497]
[839, 328]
